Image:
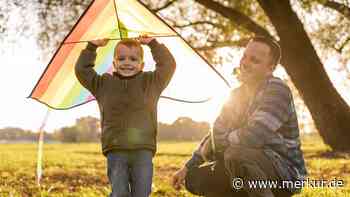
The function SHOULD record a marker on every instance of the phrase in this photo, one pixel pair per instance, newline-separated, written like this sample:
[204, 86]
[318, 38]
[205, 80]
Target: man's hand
[179, 178]
[233, 137]
[100, 42]
[145, 39]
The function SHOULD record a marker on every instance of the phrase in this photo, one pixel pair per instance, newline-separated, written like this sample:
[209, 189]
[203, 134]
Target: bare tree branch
[220, 44]
[340, 49]
[339, 7]
[199, 23]
[166, 5]
[235, 16]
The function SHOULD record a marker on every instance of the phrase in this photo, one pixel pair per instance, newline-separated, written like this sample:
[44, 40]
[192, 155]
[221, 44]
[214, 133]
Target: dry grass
[80, 169]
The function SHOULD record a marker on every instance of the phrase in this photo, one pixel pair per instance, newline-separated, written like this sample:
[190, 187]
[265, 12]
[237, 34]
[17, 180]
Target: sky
[22, 65]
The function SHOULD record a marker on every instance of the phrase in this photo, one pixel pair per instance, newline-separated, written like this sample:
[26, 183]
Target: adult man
[255, 137]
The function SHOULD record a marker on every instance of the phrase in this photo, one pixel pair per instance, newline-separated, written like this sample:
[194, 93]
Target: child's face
[127, 60]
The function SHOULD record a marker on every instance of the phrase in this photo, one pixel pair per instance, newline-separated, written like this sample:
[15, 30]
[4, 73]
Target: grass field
[80, 169]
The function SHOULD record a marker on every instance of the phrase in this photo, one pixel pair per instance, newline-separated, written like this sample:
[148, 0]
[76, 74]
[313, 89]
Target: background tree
[14, 134]
[183, 129]
[88, 129]
[67, 134]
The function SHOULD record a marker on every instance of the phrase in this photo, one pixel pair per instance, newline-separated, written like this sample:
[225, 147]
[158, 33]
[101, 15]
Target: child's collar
[124, 77]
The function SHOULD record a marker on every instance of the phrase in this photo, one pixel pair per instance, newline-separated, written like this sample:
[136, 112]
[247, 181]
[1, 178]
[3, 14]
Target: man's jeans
[130, 173]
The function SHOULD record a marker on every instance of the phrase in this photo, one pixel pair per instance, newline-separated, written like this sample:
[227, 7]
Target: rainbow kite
[195, 80]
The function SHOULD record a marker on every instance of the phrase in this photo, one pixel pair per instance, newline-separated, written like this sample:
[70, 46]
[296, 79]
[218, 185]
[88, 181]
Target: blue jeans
[130, 173]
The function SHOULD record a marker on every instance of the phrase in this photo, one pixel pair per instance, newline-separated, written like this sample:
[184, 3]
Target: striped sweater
[265, 118]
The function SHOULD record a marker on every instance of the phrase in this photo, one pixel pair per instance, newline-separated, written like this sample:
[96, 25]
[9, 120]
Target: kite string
[40, 148]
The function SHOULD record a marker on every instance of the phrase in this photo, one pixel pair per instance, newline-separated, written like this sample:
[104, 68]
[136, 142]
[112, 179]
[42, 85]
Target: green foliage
[183, 129]
[20, 135]
[86, 129]
[57, 17]
[328, 28]
[68, 134]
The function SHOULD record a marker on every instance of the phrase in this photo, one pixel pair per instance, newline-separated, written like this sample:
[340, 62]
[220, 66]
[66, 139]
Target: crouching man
[255, 137]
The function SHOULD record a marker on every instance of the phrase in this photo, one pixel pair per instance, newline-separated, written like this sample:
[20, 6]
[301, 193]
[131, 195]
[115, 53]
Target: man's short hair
[130, 43]
[275, 48]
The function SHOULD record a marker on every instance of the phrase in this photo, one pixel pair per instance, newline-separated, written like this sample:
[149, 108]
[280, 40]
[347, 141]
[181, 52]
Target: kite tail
[40, 148]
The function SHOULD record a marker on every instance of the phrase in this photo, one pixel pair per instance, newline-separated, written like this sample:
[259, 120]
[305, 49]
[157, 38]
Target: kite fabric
[195, 80]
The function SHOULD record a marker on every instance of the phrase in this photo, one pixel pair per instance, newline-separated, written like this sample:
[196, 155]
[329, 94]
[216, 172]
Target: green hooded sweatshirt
[128, 105]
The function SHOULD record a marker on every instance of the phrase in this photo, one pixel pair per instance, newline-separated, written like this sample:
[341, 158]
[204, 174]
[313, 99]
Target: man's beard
[251, 78]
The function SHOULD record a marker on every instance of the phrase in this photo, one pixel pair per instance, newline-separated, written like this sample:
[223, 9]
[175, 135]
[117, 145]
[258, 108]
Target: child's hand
[100, 42]
[145, 39]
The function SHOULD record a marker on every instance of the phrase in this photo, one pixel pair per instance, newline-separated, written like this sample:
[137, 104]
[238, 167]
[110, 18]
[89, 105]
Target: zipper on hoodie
[124, 84]
[125, 87]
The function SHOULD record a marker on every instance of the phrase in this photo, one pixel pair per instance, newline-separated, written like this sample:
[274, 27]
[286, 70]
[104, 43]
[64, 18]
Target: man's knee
[241, 154]
[242, 161]
[192, 181]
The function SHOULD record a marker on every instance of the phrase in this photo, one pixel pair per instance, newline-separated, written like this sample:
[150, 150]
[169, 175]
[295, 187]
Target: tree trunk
[330, 112]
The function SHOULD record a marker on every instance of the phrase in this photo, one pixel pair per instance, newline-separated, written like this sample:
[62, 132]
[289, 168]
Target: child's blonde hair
[129, 43]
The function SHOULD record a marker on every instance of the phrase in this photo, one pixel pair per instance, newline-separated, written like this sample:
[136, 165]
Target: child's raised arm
[84, 71]
[165, 62]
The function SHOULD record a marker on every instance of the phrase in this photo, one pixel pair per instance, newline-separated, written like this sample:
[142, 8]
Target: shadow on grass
[174, 154]
[158, 154]
[77, 178]
[88, 152]
[330, 155]
[54, 182]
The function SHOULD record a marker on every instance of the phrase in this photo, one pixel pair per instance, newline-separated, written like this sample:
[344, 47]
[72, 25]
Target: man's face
[256, 63]
[127, 60]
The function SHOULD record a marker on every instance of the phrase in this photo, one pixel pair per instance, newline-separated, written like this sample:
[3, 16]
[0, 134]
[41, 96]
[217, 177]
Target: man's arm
[202, 153]
[196, 160]
[165, 64]
[228, 119]
[84, 71]
[272, 112]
